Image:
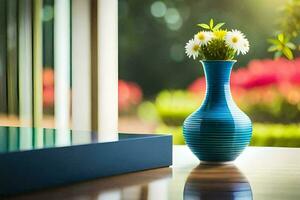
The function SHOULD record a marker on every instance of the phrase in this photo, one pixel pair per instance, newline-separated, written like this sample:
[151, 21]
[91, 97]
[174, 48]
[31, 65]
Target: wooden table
[259, 173]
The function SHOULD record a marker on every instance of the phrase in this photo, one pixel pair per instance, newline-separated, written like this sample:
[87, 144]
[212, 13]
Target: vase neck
[217, 75]
[217, 72]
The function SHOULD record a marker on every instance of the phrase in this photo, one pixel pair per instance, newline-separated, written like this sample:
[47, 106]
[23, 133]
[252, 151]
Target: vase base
[215, 162]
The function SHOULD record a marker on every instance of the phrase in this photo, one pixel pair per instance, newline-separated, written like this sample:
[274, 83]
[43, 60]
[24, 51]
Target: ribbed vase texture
[218, 131]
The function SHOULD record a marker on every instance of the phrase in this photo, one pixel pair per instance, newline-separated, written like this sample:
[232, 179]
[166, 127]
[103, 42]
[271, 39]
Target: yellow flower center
[196, 47]
[234, 39]
[220, 34]
[201, 36]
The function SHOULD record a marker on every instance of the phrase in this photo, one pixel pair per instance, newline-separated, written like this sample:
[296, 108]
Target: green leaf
[274, 41]
[288, 53]
[211, 23]
[286, 39]
[280, 37]
[290, 45]
[272, 48]
[218, 26]
[205, 26]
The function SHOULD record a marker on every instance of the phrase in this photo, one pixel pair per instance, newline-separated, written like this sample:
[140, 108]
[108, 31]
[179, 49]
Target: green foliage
[289, 28]
[211, 26]
[173, 106]
[279, 111]
[147, 111]
[290, 21]
[176, 132]
[282, 46]
[217, 50]
[169, 107]
[277, 135]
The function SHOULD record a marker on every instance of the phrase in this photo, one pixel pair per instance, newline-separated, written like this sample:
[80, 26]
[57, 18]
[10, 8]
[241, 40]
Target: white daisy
[245, 47]
[192, 49]
[203, 37]
[236, 40]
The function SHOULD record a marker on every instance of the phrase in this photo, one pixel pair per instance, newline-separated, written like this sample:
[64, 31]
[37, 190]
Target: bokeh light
[173, 19]
[158, 9]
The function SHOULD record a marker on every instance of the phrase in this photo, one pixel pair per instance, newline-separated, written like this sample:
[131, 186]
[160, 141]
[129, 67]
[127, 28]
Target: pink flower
[130, 95]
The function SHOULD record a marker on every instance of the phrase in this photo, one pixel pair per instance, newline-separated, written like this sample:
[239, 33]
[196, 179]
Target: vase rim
[218, 60]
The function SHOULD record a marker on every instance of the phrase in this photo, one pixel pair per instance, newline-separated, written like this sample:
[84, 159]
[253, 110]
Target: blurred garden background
[159, 87]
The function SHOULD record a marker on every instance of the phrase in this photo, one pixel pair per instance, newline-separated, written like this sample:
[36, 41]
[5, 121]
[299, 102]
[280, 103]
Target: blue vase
[218, 131]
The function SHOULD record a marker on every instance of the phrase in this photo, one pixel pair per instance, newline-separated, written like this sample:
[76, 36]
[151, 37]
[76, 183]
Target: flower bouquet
[214, 43]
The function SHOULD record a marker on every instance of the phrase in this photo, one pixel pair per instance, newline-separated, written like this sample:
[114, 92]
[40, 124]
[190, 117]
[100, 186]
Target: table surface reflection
[259, 173]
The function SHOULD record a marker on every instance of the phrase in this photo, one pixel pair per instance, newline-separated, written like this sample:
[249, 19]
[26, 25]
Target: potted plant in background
[218, 131]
